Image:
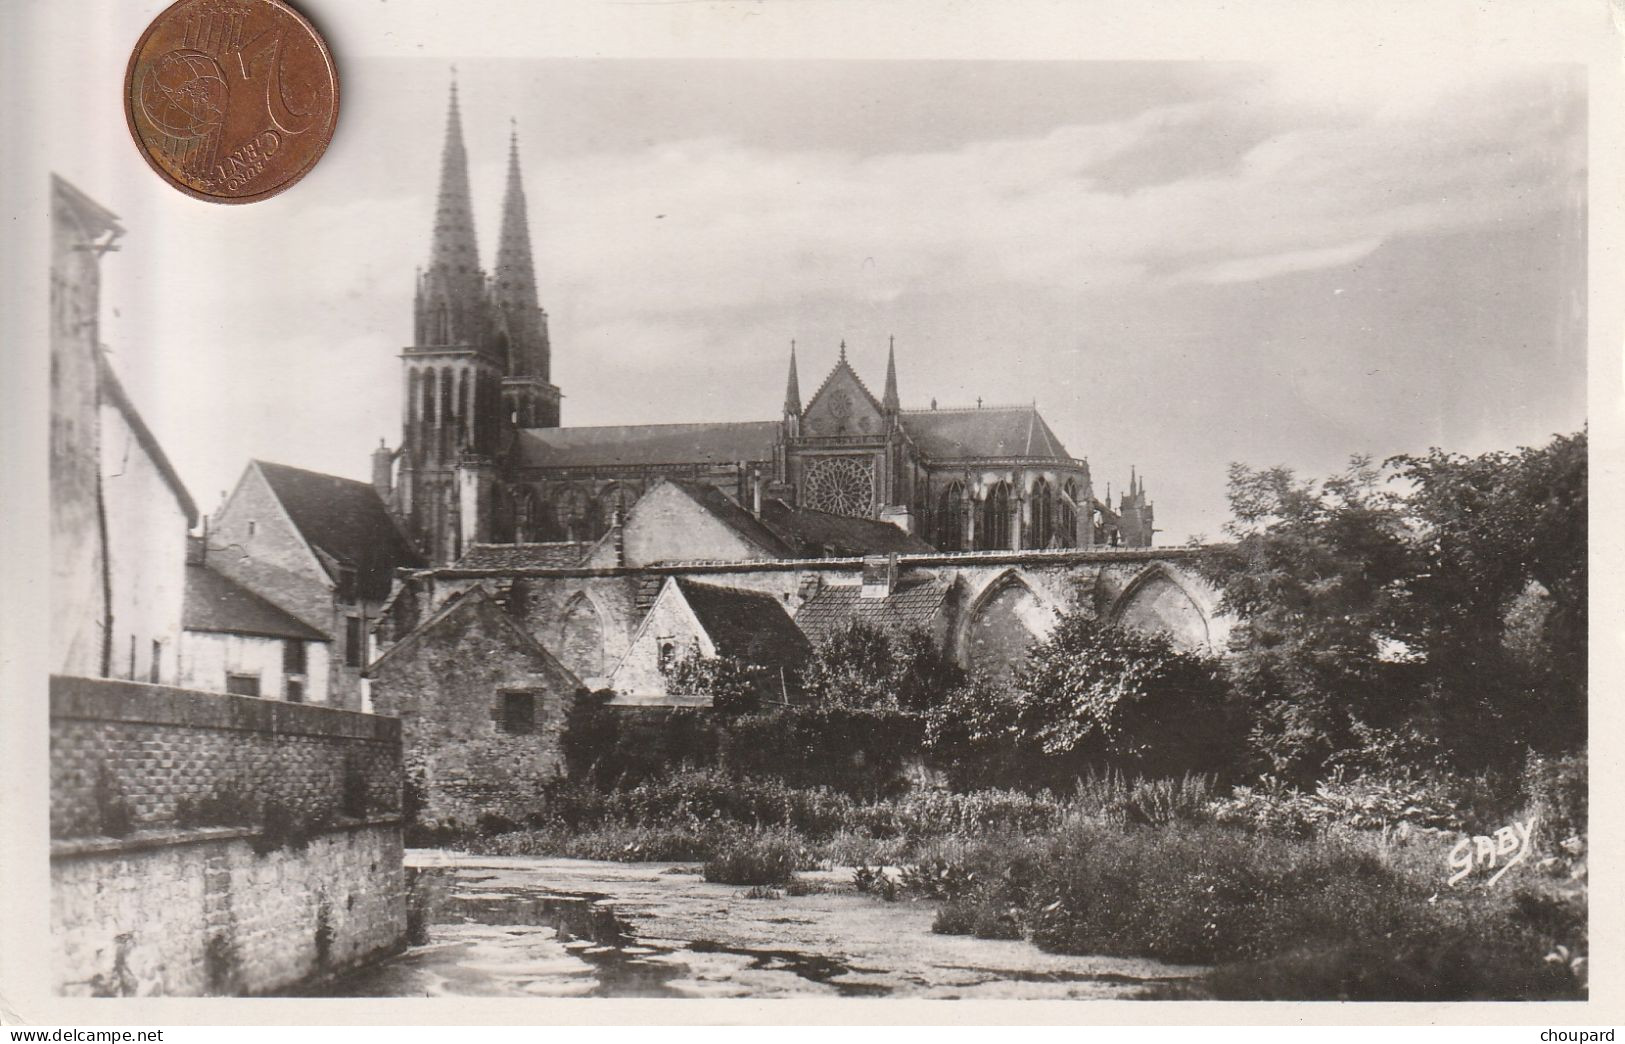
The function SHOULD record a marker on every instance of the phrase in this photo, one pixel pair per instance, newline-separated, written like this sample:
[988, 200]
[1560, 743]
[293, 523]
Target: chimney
[879, 575]
[756, 492]
[383, 461]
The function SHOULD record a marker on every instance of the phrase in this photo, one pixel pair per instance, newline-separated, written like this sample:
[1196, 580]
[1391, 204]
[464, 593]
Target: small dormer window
[251, 525]
[668, 654]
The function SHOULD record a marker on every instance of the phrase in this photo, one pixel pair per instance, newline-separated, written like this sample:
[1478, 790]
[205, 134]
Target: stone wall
[451, 684]
[999, 602]
[204, 843]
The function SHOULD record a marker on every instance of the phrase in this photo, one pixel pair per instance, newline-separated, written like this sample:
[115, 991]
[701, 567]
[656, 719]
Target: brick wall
[152, 747]
[293, 873]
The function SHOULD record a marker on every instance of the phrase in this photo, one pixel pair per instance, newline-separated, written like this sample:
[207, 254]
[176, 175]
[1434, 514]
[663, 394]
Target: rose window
[841, 485]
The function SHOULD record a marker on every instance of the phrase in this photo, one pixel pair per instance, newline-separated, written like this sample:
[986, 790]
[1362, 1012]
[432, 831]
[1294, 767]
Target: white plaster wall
[146, 546]
[208, 656]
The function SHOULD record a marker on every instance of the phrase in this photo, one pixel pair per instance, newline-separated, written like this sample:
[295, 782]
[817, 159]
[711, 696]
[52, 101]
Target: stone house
[320, 547]
[239, 643]
[482, 710]
[119, 511]
[711, 621]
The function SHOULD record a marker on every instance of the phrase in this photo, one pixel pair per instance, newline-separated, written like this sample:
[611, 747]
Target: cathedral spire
[515, 278]
[792, 388]
[455, 254]
[515, 271]
[890, 400]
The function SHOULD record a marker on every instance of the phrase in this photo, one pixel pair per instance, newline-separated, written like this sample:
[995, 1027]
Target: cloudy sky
[1185, 264]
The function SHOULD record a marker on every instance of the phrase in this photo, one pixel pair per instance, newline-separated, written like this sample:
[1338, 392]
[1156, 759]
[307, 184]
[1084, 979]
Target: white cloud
[709, 225]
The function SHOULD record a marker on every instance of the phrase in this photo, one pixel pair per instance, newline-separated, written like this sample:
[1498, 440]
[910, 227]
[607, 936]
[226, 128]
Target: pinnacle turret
[889, 400]
[792, 387]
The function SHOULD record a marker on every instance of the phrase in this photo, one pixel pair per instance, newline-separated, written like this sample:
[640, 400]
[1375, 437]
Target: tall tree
[1315, 577]
[1498, 605]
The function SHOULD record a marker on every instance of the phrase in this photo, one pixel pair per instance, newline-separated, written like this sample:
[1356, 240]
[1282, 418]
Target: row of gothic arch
[993, 633]
[449, 409]
[992, 521]
[578, 513]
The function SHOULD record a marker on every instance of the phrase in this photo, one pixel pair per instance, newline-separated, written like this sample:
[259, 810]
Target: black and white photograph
[644, 516]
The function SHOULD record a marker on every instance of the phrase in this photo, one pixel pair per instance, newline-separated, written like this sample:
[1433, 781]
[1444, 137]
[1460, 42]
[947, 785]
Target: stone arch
[572, 507]
[1041, 505]
[612, 497]
[580, 634]
[1158, 600]
[993, 528]
[1000, 623]
[428, 414]
[950, 528]
[525, 515]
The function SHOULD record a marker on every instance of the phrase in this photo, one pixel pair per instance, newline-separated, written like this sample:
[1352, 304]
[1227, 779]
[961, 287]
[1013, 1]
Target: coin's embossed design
[231, 100]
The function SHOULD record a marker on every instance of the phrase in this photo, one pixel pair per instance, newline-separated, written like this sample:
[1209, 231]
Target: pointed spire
[843, 349]
[889, 400]
[792, 388]
[515, 271]
[455, 252]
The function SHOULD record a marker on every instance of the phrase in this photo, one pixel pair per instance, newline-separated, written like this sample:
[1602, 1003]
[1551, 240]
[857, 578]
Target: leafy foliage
[1426, 613]
[732, 685]
[864, 667]
[1498, 607]
[1089, 695]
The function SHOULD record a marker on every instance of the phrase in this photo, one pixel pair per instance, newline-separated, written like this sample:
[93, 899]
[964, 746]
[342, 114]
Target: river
[539, 927]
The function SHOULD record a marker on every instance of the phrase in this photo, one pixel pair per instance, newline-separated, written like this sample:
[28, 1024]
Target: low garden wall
[212, 844]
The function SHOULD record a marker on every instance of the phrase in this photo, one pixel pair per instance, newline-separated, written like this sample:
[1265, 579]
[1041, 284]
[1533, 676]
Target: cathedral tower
[453, 416]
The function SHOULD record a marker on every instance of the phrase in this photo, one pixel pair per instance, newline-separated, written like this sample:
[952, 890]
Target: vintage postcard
[1017, 512]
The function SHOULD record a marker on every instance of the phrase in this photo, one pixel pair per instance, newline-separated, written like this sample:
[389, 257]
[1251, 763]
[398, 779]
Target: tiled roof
[750, 625]
[723, 509]
[346, 520]
[631, 444]
[913, 604]
[560, 554]
[215, 602]
[996, 431]
[813, 534]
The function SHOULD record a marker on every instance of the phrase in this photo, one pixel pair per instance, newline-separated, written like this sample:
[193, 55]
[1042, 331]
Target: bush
[1115, 798]
[1555, 790]
[979, 918]
[1364, 803]
[757, 858]
[858, 752]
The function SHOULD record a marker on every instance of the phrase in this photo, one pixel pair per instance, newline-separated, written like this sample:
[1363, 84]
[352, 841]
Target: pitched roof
[913, 604]
[112, 391]
[749, 625]
[819, 533]
[558, 554]
[478, 600]
[630, 444]
[94, 219]
[995, 431]
[346, 521]
[215, 602]
[722, 507]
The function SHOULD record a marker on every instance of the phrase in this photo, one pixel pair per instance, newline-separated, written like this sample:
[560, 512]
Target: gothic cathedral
[483, 457]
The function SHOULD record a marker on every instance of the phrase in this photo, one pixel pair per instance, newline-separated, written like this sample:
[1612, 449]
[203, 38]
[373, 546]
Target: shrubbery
[756, 858]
